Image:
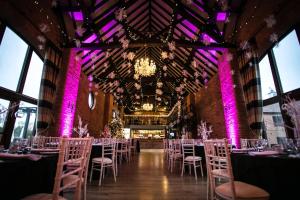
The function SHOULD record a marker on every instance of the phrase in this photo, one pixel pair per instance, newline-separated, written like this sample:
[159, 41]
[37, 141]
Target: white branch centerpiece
[292, 108]
[203, 130]
[81, 130]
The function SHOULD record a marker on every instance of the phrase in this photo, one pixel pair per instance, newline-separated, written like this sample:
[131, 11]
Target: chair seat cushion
[220, 172]
[42, 196]
[243, 191]
[192, 158]
[104, 160]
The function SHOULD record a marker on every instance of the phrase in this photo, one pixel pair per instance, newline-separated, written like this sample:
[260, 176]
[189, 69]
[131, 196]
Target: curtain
[251, 83]
[47, 95]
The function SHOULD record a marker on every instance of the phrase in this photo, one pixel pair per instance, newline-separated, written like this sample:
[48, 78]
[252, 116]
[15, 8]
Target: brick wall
[99, 116]
[208, 106]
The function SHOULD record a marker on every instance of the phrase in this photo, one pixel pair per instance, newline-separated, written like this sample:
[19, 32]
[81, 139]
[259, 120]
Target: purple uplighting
[76, 15]
[229, 101]
[70, 96]
[221, 16]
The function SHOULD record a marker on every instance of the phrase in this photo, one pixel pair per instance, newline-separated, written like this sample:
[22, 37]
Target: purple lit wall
[70, 96]
[229, 101]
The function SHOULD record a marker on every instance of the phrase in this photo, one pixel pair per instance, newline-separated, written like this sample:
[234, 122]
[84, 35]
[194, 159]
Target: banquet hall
[149, 99]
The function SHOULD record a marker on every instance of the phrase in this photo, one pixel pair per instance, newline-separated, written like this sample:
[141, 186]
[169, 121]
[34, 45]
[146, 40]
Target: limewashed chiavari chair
[175, 153]
[106, 160]
[189, 158]
[71, 166]
[218, 162]
[72, 150]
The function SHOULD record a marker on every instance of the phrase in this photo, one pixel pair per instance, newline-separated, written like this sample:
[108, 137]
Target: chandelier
[147, 106]
[144, 67]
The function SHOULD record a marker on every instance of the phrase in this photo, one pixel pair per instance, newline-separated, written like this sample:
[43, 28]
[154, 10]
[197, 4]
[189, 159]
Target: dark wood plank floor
[147, 178]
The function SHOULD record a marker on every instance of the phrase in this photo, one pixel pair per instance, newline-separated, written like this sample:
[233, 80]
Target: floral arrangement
[203, 131]
[292, 108]
[106, 132]
[81, 130]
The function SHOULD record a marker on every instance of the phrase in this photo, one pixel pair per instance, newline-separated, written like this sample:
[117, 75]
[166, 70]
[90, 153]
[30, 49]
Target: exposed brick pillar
[69, 98]
[233, 101]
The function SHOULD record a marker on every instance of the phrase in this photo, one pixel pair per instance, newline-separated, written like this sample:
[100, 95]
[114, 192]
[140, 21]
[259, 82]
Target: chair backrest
[108, 148]
[248, 143]
[72, 150]
[188, 147]
[45, 142]
[217, 155]
[176, 146]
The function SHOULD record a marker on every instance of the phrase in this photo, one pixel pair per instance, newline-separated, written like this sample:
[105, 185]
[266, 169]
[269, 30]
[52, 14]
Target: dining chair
[72, 150]
[71, 166]
[123, 149]
[189, 158]
[218, 163]
[175, 153]
[106, 160]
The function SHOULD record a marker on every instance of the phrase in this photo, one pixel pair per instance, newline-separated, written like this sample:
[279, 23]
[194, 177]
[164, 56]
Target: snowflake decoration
[197, 81]
[137, 97]
[44, 28]
[90, 78]
[194, 64]
[130, 56]
[165, 68]
[137, 86]
[270, 21]
[173, 64]
[164, 55]
[41, 47]
[116, 83]
[136, 76]
[273, 38]
[80, 30]
[204, 74]
[54, 4]
[111, 75]
[158, 91]
[165, 74]
[229, 57]
[124, 42]
[121, 14]
[172, 46]
[159, 84]
[248, 55]
[244, 45]
[171, 56]
[120, 90]
[123, 65]
[107, 54]
[77, 57]
[124, 55]
[41, 39]
[206, 40]
[188, 2]
[77, 43]
[196, 74]
[185, 73]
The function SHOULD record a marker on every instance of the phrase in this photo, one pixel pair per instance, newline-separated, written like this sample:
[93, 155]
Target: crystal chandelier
[147, 106]
[144, 67]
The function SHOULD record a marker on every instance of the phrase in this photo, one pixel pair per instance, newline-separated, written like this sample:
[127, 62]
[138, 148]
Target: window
[267, 83]
[91, 100]
[3, 111]
[33, 78]
[273, 123]
[287, 56]
[25, 121]
[277, 120]
[15, 55]
[281, 67]
[12, 53]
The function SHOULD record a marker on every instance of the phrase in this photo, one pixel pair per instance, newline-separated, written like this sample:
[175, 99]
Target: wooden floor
[147, 178]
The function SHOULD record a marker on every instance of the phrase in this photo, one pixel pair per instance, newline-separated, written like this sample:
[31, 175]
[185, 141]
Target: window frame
[15, 97]
[279, 98]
